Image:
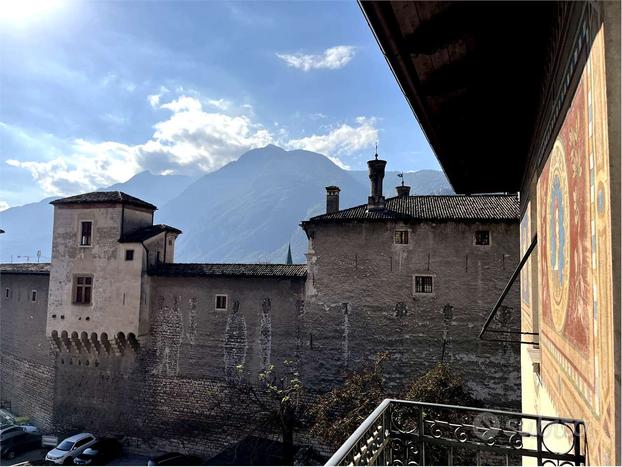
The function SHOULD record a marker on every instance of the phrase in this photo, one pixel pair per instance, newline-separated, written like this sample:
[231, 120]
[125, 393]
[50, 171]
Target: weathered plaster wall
[26, 362]
[196, 340]
[116, 282]
[360, 301]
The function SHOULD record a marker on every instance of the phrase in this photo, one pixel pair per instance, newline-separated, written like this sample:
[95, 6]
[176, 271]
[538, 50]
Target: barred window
[221, 302]
[83, 290]
[401, 237]
[482, 237]
[423, 284]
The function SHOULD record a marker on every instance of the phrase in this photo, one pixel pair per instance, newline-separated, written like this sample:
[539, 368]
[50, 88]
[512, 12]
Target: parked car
[101, 452]
[70, 448]
[8, 430]
[19, 441]
[174, 458]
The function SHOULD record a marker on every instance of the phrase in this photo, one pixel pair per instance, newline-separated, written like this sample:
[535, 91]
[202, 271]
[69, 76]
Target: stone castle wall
[361, 301]
[26, 362]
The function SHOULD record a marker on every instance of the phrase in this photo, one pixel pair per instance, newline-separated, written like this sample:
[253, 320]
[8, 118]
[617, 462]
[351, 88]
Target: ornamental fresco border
[574, 263]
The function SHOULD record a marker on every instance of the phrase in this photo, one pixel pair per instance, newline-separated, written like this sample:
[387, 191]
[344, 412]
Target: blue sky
[94, 92]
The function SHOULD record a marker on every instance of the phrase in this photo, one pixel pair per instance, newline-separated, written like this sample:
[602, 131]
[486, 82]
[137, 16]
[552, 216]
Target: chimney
[403, 191]
[376, 175]
[332, 199]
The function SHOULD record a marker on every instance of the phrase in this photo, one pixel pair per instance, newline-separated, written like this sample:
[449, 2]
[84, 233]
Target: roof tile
[433, 207]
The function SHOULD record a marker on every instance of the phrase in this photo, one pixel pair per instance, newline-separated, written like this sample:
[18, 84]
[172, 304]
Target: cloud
[332, 59]
[154, 99]
[189, 140]
[84, 167]
[343, 140]
[192, 139]
[4, 206]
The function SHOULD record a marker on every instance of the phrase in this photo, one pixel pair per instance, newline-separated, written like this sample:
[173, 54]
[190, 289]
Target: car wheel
[68, 461]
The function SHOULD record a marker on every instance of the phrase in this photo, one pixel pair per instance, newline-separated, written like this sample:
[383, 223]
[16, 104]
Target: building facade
[122, 340]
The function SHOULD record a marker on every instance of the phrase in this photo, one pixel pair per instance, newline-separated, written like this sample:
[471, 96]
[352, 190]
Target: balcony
[417, 433]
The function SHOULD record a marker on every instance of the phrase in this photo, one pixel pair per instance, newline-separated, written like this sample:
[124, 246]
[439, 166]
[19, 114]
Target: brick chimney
[376, 175]
[403, 191]
[332, 199]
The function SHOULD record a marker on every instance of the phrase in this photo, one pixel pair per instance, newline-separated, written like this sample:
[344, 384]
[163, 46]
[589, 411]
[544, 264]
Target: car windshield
[65, 446]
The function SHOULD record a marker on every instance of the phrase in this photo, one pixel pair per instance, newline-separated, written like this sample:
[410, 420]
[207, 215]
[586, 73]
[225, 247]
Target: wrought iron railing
[417, 433]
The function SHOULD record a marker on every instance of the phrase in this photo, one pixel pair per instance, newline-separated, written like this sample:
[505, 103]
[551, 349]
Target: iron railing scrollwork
[417, 433]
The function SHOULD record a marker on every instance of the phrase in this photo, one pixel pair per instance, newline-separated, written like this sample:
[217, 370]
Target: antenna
[38, 255]
[376, 150]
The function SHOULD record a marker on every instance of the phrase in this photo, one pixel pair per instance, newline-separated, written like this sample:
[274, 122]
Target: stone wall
[26, 362]
[361, 301]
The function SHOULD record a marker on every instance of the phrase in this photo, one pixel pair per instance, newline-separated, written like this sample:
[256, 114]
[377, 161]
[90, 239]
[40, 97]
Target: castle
[115, 337]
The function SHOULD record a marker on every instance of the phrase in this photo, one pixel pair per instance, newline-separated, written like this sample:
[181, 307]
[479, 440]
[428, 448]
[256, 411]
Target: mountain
[247, 211]
[250, 209]
[29, 227]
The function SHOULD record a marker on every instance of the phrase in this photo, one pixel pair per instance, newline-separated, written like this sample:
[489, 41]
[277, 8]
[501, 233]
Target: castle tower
[102, 246]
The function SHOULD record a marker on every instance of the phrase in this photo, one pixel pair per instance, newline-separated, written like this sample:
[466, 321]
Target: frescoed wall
[575, 268]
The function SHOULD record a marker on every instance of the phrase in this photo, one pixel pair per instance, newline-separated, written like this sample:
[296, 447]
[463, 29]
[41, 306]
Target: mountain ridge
[247, 211]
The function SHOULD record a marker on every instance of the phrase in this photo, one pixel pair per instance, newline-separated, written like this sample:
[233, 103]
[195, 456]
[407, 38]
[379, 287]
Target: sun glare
[17, 12]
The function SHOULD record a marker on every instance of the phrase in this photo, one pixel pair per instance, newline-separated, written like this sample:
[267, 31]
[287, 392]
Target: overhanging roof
[473, 74]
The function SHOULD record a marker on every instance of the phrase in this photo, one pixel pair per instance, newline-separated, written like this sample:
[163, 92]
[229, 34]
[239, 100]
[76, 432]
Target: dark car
[174, 458]
[100, 453]
[18, 442]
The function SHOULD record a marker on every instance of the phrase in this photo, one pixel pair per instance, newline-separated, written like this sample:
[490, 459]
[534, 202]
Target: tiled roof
[230, 270]
[25, 268]
[433, 207]
[143, 234]
[104, 197]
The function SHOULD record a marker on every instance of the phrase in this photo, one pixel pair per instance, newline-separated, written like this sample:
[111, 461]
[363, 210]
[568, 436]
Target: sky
[92, 93]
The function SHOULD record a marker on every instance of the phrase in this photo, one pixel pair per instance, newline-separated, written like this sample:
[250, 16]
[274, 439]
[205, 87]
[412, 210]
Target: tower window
[83, 290]
[482, 237]
[7, 293]
[401, 237]
[221, 302]
[129, 255]
[86, 228]
[33, 296]
[424, 284]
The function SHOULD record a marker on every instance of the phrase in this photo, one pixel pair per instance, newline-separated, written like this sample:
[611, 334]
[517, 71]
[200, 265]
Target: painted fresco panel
[526, 286]
[574, 242]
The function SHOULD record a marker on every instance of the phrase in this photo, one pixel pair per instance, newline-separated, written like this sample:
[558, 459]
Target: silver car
[70, 448]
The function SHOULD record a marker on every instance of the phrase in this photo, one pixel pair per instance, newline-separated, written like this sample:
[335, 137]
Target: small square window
[401, 237]
[482, 237]
[129, 255]
[7, 293]
[424, 284]
[221, 302]
[33, 296]
[170, 242]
